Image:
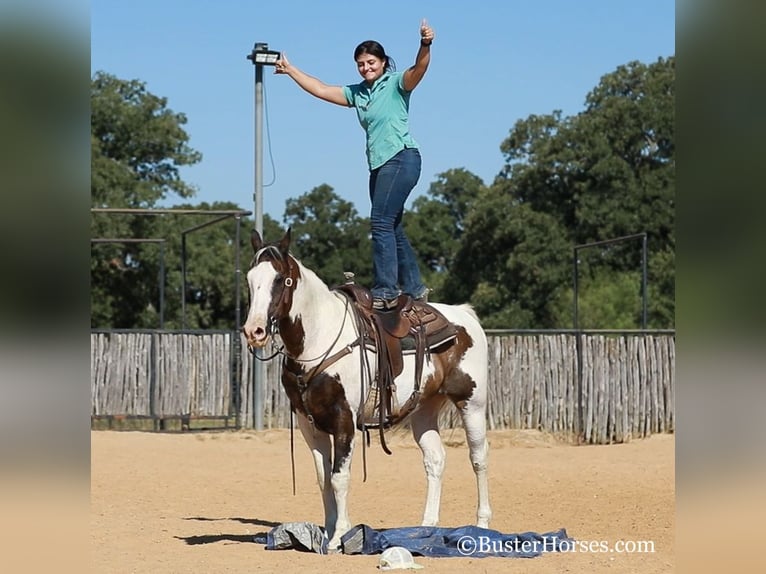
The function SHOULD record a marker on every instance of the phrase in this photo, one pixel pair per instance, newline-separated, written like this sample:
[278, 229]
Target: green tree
[627, 135]
[137, 147]
[610, 170]
[628, 184]
[329, 237]
[211, 264]
[211, 278]
[607, 299]
[604, 173]
[511, 264]
[437, 221]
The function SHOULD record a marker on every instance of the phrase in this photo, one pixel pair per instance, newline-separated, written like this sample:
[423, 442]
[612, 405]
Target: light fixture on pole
[260, 56]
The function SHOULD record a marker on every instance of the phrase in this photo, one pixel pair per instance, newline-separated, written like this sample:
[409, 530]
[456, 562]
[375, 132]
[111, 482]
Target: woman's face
[370, 67]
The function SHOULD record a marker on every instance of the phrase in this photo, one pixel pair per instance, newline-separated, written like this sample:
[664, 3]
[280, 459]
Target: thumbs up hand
[426, 33]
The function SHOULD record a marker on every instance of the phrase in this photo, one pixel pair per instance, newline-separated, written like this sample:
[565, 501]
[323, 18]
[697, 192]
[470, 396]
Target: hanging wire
[268, 140]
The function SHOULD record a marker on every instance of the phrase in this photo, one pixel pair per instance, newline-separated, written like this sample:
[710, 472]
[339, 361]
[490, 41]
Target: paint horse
[322, 360]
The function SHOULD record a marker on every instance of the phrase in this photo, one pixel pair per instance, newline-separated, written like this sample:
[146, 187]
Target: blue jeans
[394, 264]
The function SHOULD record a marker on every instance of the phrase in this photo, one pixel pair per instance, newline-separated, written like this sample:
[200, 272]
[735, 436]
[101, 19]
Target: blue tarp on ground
[429, 541]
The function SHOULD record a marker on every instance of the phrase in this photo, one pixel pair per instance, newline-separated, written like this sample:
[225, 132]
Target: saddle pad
[408, 343]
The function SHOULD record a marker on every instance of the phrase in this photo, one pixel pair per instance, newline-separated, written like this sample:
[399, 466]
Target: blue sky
[493, 63]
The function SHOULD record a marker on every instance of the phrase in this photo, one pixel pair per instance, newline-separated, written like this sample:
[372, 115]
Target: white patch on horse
[259, 278]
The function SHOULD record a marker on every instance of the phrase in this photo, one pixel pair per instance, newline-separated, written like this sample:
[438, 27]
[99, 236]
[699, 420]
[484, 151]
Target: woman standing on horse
[382, 102]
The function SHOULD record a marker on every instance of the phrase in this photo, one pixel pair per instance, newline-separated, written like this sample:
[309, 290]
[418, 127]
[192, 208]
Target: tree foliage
[329, 236]
[437, 222]
[137, 145]
[605, 173]
[507, 247]
[125, 279]
[511, 263]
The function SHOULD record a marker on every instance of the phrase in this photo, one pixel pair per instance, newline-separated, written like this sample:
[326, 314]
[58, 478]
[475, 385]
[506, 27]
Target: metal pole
[579, 426]
[237, 275]
[574, 271]
[643, 282]
[162, 285]
[183, 281]
[153, 380]
[258, 367]
[258, 194]
[236, 341]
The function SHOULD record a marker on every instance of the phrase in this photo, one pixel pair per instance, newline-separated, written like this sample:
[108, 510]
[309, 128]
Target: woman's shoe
[424, 297]
[380, 304]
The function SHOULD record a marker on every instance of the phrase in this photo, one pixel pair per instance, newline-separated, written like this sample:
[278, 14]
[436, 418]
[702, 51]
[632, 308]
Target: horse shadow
[258, 537]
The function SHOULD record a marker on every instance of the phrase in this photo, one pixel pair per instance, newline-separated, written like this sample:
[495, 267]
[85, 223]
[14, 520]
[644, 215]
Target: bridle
[280, 309]
[272, 327]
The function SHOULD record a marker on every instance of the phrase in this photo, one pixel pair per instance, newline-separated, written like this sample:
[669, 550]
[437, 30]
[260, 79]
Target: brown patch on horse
[447, 378]
[323, 401]
[291, 331]
[293, 335]
[291, 371]
[288, 275]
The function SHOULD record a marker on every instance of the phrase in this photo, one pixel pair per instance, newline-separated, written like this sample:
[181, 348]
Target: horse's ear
[284, 243]
[256, 241]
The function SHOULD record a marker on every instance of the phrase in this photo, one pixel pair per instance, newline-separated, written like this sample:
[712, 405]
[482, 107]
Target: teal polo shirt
[383, 112]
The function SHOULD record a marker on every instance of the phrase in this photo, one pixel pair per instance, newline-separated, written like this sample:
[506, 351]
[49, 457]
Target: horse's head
[272, 279]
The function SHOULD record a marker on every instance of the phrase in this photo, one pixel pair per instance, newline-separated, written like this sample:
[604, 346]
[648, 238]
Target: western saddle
[412, 327]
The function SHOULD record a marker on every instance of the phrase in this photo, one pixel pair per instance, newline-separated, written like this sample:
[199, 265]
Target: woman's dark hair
[375, 49]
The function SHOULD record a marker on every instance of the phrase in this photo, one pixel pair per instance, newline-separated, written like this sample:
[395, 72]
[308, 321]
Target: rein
[326, 361]
[304, 380]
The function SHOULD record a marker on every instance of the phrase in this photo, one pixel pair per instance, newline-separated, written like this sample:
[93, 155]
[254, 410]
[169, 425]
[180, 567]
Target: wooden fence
[625, 382]
[627, 385]
[161, 374]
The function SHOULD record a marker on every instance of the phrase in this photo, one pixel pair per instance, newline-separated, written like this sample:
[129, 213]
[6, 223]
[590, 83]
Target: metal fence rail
[594, 386]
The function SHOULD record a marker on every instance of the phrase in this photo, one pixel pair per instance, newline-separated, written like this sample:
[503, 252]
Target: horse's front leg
[321, 451]
[326, 400]
[341, 478]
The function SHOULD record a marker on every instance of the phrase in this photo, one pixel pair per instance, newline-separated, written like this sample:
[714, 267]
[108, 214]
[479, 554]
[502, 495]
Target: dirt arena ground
[181, 503]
